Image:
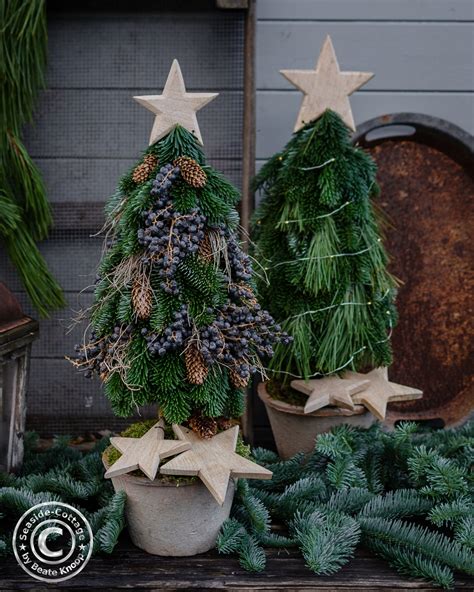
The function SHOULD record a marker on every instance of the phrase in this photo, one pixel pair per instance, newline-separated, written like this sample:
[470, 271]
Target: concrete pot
[164, 519]
[296, 431]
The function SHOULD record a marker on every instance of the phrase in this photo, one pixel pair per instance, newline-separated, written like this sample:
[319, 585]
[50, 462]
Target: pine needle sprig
[423, 529]
[25, 213]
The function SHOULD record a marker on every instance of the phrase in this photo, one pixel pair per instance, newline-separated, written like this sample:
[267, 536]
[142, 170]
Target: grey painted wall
[421, 52]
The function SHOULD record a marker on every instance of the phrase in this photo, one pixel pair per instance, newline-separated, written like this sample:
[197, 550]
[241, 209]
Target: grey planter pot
[296, 431]
[173, 521]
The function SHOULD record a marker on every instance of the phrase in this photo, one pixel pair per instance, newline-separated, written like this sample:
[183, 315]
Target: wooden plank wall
[421, 52]
[88, 131]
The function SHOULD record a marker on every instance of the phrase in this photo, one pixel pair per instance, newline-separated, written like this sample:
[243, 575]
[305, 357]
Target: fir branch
[327, 541]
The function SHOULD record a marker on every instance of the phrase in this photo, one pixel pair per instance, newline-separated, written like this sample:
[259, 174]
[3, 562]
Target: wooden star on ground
[175, 106]
[144, 453]
[326, 87]
[381, 391]
[213, 461]
[330, 390]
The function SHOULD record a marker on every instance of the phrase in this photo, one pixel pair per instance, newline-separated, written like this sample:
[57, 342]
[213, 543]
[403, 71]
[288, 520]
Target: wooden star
[330, 390]
[326, 87]
[144, 453]
[175, 106]
[381, 391]
[213, 461]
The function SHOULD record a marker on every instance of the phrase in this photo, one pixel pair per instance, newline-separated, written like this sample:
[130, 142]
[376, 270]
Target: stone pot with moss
[153, 521]
[324, 274]
[296, 431]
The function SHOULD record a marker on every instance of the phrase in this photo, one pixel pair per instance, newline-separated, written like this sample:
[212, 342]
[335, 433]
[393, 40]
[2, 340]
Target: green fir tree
[175, 320]
[322, 265]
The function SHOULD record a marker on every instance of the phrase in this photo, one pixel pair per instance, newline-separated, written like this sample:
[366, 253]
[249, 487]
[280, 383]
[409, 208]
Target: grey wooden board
[403, 56]
[73, 260]
[110, 124]
[277, 111]
[367, 10]
[58, 334]
[95, 179]
[55, 386]
[136, 50]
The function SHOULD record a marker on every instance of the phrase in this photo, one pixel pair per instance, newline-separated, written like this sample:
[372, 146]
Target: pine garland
[64, 474]
[406, 495]
[24, 210]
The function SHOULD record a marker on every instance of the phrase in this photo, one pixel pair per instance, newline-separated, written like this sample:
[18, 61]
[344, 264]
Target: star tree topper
[326, 87]
[175, 106]
[144, 453]
[214, 461]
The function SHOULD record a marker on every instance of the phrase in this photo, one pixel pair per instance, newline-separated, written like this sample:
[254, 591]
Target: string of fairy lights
[349, 361]
[368, 303]
[321, 257]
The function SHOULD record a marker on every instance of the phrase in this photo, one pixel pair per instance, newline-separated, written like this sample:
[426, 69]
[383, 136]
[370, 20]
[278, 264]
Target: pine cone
[191, 171]
[142, 296]
[206, 427]
[143, 171]
[196, 367]
[224, 423]
[205, 249]
[237, 380]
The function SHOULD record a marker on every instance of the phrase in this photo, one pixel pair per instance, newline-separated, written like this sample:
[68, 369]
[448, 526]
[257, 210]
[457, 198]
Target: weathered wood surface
[404, 57]
[366, 10]
[129, 568]
[277, 110]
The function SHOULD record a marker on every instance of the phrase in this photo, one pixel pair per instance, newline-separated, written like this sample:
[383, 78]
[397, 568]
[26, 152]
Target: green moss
[285, 393]
[140, 428]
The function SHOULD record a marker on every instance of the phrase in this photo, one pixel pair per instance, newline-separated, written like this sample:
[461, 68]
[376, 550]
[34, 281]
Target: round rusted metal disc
[425, 172]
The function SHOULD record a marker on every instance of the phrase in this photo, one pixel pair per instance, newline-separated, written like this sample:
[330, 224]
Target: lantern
[17, 332]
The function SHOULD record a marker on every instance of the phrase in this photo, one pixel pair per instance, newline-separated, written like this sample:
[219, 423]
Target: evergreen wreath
[406, 495]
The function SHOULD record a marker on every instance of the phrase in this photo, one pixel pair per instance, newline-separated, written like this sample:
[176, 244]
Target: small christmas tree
[324, 271]
[175, 320]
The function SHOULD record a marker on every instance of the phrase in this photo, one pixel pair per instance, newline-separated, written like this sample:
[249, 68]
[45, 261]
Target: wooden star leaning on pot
[175, 106]
[144, 453]
[381, 391]
[373, 390]
[213, 460]
[331, 390]
[326, 87]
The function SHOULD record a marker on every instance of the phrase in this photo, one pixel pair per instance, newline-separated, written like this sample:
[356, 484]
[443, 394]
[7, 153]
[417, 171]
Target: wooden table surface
[128, 568]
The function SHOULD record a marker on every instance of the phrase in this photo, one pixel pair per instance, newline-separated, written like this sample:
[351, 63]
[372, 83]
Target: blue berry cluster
[169, 236]
[173, 337]
[239, 261]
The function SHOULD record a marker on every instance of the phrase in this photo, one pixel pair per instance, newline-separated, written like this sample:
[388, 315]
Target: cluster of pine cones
[190, 170]
[207, 427]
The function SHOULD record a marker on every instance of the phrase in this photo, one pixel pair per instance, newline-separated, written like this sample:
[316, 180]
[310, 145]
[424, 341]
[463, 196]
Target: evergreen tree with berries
[175, 320]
